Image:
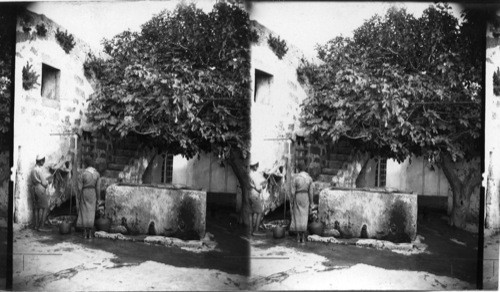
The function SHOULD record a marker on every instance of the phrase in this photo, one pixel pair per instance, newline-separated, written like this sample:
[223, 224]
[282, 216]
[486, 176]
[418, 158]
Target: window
[50, 82]
[167, 168]
[381, 172]
[262, 90]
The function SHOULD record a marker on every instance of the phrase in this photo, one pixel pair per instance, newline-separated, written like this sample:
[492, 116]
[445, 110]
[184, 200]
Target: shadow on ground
[445, 258]
[3, 257]
[230, 256]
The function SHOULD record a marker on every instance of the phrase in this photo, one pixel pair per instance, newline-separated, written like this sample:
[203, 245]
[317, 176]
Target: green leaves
[400, 86]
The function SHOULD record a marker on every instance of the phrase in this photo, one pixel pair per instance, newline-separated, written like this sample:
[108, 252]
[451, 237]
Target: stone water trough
[157, 210]
[377, 214]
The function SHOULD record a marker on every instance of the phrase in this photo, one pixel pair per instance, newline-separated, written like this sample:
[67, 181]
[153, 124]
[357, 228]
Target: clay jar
[279, 232]
[102, 224]
[316, 228]
[65, 227]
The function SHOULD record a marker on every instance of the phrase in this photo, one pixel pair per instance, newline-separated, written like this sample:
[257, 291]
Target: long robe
[88, 198]
[301, 188]
[39, 185]
[255, 196]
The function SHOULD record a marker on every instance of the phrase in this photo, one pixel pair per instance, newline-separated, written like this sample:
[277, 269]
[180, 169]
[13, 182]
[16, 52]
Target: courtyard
[53, 262]
[448, 262]
[50, 261]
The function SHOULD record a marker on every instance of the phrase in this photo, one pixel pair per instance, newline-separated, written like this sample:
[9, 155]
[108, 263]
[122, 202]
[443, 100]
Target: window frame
[167, 168]
[381, 173]
[46, 70]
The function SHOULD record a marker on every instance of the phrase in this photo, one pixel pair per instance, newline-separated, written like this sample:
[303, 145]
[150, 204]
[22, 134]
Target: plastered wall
[44, 125]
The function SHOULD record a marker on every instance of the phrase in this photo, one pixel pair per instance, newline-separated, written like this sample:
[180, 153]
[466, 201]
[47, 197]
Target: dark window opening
[167, 168]
[381, 173]
[50, 82]
[262, 90]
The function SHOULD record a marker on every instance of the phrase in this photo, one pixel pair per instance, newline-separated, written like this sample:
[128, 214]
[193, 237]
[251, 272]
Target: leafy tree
[181, 83]
[7, 18]
[7, 48]
[404, 86]
[496, 81]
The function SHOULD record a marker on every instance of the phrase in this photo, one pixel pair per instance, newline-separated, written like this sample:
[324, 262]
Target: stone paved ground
[52, 262]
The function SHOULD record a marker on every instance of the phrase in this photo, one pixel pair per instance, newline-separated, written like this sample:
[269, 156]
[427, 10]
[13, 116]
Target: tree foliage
[181, 82]
[7, 18]
[400, 86]
[404, 86]
[496, 81]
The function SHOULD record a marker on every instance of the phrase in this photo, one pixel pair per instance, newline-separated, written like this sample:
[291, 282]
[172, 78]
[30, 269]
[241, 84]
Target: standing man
[39, 183]
[257, 182]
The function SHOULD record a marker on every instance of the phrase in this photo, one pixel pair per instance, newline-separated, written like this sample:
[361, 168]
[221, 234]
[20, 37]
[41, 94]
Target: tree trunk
[147, 176]
[361, 179]
[462, 190]
[240, 169]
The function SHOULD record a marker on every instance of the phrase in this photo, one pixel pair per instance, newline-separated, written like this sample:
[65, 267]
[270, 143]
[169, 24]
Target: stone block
[78, 80]
[51, 103]
[330, 171]
[34, 51]
[330, 232]
[171, 212]
[318, 186]
[389, 216]
[326, 178]
[70, 109]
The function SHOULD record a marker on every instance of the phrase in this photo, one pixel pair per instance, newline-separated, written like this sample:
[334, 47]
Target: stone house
[276, 134]
[491, 177]
[49, 106]
[50, 119]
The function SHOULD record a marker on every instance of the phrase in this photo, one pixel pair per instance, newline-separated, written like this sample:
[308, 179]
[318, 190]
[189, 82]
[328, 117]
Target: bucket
[65, 227]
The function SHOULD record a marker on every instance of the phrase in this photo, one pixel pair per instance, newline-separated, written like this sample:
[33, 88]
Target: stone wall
[491, 178]
[171, 212]
[391, 216]
[276, 95]
[275, 107]
[205, 173]
[43, 125]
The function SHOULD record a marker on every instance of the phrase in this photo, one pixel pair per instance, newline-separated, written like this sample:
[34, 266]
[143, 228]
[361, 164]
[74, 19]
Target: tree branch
[143, 133]
[355, 137]
[446, 164]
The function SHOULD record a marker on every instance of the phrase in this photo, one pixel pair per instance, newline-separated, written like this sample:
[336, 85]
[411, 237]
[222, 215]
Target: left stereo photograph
[130, 145]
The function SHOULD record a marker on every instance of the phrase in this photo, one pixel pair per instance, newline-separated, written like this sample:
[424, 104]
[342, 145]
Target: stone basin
[383, 215]
[157, 210]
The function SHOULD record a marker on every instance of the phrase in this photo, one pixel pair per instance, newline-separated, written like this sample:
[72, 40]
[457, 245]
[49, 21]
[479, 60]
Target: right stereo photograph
[370, 156]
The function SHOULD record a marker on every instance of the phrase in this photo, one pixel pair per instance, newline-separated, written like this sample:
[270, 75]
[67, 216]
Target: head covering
[253, 162]
[39, 157]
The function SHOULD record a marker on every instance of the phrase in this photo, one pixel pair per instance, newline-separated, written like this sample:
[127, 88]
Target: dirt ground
[50, 261]
[3, 256]
[450, 262]
[490, 263]
[53, 262]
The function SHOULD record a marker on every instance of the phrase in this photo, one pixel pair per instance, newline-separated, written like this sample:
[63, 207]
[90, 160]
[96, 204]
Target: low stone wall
[157, 210]
[389, 216]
